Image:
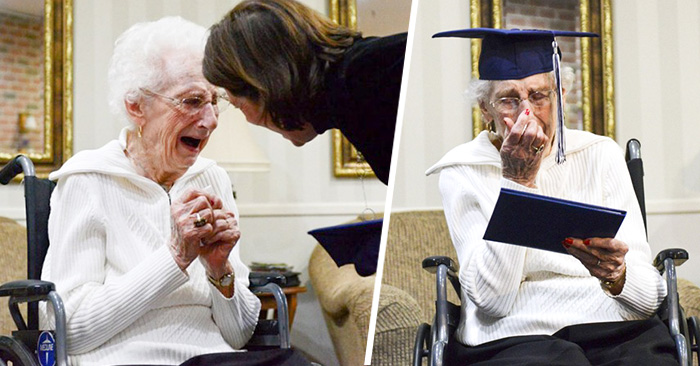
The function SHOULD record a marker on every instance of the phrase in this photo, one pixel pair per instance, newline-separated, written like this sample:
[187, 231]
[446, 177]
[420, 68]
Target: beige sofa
[407, 293]
[13, 264]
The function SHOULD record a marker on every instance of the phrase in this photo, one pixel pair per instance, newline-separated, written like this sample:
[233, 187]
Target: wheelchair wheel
[15, 353]
[421, 348]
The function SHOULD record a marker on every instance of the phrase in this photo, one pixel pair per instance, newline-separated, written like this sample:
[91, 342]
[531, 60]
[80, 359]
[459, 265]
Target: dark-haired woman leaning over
[297, 73]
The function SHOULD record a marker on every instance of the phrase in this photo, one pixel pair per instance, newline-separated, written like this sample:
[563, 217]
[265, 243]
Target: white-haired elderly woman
[523, 306]
[143, 231]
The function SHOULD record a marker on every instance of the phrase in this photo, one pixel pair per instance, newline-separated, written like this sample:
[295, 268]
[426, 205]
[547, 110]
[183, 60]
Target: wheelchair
[23, 347]
[431, 339]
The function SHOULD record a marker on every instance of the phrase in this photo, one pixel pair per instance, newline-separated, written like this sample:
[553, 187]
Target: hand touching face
[522, 114]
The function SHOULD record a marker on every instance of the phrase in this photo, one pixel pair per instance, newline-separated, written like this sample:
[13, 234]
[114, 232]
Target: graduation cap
[356, 243]
[512, 54]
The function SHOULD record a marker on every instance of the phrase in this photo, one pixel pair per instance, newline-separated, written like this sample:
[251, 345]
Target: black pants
[272, 357]
[636, 343]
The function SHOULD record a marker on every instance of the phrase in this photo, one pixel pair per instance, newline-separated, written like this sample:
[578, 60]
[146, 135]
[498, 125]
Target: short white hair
[480, 90]
[142, 53]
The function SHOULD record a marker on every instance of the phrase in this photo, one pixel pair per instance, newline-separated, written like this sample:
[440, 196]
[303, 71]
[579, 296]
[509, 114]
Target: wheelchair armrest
[678, 255]
[26, 288]
[34, 290]
[258, 279]
[282, 310]
[430, 264]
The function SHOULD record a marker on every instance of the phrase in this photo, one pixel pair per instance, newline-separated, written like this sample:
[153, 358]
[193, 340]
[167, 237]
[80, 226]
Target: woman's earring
[491, 126]
[140, 130]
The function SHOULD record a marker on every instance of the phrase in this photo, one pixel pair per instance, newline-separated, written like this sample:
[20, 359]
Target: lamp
[233, 147]
[27, 123]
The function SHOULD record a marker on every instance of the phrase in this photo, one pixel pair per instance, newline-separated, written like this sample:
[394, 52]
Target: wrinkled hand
[186, 238]
[523, 148]
[603, 257]
[218, 245]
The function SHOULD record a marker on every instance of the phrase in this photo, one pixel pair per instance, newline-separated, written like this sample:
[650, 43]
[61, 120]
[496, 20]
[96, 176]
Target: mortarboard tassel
[561, 143]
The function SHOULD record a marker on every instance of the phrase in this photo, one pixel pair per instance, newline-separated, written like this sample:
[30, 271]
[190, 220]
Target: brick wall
[558, 15]
[21, 80]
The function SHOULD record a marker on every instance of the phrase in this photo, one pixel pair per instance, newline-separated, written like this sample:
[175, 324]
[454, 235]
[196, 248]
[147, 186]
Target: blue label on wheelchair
[46, 349]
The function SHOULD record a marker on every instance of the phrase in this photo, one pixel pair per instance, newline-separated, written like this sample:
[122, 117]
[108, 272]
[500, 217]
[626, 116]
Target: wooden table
[267, 301]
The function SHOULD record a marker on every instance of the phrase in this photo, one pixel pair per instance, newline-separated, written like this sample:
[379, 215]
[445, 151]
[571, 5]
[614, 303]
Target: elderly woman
[297, 73]
[523, 306]
[143, 231]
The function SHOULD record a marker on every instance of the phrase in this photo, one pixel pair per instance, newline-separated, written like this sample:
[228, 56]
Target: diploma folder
[543, 222]
[356, 243]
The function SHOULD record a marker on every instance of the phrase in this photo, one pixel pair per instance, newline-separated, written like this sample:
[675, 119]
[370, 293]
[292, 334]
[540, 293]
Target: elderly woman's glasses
[194, 104]
[510, 105]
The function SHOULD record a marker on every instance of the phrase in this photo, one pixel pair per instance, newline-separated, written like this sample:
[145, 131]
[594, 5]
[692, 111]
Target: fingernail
[565, 244]
[587, 242]
[527, 112]
[569, 241]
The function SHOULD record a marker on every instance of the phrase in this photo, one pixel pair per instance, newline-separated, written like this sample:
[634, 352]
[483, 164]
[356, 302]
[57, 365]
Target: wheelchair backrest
[37, 197]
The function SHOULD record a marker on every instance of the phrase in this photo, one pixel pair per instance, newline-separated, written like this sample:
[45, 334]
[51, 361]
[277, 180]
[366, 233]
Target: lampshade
[30, 123]
[27, 123]
[233, 147]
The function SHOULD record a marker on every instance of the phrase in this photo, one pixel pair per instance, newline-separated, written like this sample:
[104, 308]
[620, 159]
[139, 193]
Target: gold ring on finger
[199, 221]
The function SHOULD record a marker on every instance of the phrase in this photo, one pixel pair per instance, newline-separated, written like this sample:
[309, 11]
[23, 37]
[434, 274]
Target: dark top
[361, 98]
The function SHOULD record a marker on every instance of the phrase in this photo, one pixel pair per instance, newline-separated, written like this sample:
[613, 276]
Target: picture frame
[57, 121]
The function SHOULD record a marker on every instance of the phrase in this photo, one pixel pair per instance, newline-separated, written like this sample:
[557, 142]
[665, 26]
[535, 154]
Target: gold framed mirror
[372, 18]
[590, 104]
[36, 95]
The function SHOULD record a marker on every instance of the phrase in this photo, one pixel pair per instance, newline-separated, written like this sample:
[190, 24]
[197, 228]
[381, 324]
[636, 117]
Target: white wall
[299, 193]
[656, 49]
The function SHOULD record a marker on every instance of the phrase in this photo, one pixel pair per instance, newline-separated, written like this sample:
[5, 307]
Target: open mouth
[190, 141]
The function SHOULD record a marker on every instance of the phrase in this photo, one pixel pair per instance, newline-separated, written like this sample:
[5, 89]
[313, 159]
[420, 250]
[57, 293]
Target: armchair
[406, 293]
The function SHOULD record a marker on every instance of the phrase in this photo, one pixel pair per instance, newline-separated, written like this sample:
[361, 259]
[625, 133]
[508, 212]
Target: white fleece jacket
[509, 290]
[126, 299]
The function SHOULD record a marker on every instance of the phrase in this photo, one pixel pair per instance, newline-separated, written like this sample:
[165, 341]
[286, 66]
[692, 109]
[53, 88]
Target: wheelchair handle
[633, 150]
[19, 164]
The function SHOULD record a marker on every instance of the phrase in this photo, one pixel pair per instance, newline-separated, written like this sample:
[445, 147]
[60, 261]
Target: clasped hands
[212, 242]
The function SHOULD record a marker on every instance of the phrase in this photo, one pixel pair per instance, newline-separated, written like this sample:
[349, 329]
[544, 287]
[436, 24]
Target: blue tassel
[561, 143]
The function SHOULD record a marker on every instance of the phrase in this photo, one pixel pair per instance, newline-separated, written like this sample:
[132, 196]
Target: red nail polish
[587, 242]
[569, 241]
[565, 244]
[527, 112]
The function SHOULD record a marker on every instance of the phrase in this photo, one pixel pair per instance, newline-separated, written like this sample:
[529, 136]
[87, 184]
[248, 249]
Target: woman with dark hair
[297, 73]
